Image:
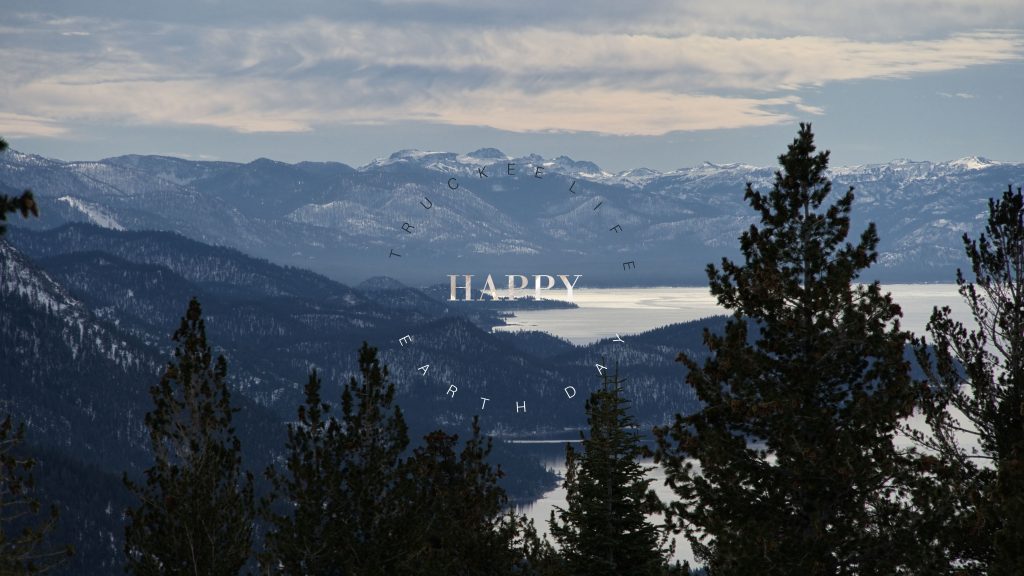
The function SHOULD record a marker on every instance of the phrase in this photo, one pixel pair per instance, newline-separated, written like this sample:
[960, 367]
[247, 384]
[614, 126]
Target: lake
[605, 312]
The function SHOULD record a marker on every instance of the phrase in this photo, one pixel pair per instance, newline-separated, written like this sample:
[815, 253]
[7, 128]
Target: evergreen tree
[604, 530]
[22, 529]
[347, 503]
[25, 204]
[372, 437]
[195, 512]
[974, 403]
[790, 466]
[457, 518]
[302, 539]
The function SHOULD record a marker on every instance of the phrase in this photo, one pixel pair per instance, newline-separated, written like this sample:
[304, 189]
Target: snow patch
[95, 214]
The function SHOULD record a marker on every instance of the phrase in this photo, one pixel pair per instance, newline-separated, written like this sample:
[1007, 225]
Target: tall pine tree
[790, 466]
[604, 529]
[974, 402]
[196, 512]
[303, 539]
[372, 437]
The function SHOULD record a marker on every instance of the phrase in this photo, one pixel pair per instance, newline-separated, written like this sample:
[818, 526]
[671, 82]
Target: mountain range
[487, 213]
[86, 314]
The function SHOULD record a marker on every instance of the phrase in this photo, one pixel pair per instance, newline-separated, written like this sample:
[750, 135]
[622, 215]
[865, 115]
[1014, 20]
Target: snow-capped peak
[409, 155]
[973, 163]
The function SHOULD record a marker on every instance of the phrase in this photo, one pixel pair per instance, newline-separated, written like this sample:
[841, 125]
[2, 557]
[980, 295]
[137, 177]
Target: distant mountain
[63, 369]
[126, 290]
[86, 315]
[344, 222]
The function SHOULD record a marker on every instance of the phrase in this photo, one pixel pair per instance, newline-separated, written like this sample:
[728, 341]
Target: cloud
[299, 74]
[808, 109]
[20, 125]
[602, 110]
[961, 95]
[863, 20]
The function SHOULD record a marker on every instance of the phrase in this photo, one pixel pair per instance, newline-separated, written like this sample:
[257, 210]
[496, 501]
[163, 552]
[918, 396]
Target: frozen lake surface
[605, 312]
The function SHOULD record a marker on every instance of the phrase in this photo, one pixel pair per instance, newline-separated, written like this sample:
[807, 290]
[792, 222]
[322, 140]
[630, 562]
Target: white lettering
[536, 284]
[489, 287]
[468, 287]
[513, 285]
[569, 287]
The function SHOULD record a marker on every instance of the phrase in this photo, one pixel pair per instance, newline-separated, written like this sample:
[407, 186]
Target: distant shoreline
[604, 313]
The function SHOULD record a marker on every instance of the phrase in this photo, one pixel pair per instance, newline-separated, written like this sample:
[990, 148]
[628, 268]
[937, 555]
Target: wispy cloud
[865, 19]
[24, 125]
[298, 74]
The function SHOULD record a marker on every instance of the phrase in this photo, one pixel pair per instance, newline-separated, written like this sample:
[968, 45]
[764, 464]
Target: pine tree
[196, 510]
[974, 403]
[347, 503]
[457, 517]
[302, 539]
[23, 530]
[790, 466]
[25, 204]
[372, 437]
[604, 529]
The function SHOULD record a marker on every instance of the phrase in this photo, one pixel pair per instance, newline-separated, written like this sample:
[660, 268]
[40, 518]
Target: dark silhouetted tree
[790, 466]
[457, 515]
[974, 403]
[372, 437]
[604, 529]
[196, 509]
[25, 204]
[23, 529]
[346, 501]
[303, 539]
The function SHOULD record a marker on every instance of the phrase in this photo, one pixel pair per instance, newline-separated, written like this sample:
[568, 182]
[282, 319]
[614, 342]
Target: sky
[646, 83]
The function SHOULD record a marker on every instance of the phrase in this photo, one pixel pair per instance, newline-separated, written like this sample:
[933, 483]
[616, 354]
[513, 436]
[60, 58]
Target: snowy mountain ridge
[447, 212]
